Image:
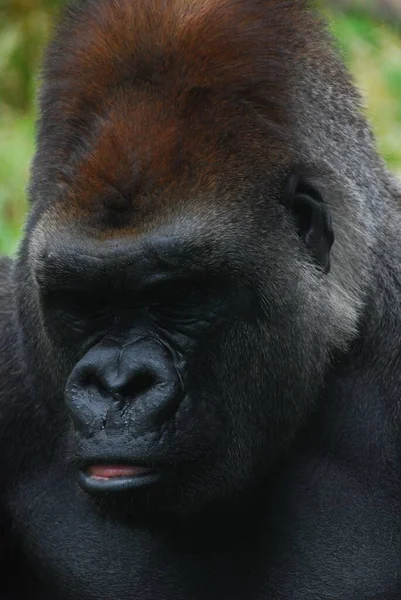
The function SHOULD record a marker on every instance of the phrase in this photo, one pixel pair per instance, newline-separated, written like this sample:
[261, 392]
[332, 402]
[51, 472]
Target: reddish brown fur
[155, 95]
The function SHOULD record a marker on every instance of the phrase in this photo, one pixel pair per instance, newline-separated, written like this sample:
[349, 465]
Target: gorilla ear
[312, 219]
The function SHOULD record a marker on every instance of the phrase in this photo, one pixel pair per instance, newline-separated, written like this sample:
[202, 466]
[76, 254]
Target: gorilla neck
[377, 348]
[357, 422]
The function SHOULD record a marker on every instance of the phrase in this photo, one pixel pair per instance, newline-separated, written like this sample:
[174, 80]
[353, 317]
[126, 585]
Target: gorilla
[200, 336]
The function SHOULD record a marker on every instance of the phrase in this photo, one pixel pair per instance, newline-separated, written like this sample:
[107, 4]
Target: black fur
[243, 339]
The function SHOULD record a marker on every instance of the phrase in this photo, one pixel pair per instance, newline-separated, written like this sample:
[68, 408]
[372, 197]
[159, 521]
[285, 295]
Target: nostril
[85, 377]
[139, 384]
[91, 379]
[109, 383]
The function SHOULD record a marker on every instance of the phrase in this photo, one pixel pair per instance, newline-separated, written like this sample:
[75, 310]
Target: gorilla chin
[151, 471]
[168, 483]
[156, 482]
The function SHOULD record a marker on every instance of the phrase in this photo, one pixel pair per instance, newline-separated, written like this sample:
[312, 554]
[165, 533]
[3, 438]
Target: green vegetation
[373, 53]
[372, 50]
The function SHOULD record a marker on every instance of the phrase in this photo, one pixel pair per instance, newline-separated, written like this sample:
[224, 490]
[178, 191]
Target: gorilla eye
[176, 296]
[186, 302]
[312, 220]
[76, 312]
[77, 302]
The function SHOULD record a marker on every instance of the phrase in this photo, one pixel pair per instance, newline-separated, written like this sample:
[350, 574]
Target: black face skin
[138, 334]
[144, 328]
[200, 368]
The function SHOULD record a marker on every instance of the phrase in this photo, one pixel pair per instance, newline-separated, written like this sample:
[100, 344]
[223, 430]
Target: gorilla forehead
[232, 45]
[200, 78]
[118, 164]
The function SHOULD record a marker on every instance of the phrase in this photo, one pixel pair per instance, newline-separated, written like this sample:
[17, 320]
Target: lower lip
[115, 479]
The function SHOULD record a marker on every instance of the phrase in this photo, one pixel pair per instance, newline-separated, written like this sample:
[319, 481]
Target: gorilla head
[184, 292]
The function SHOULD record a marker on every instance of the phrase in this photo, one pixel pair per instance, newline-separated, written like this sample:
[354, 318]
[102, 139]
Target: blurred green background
[372, 48]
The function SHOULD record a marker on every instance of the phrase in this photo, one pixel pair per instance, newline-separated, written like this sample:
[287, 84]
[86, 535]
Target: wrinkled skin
[200, 336]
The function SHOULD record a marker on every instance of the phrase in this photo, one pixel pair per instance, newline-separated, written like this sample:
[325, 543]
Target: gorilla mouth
[116, 478]
[101, 472]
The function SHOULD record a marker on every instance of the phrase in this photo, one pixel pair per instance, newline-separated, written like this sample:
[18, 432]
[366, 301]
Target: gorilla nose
[127, 382]
[113, 384]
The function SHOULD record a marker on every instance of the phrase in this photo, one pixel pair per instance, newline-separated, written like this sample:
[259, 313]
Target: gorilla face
[176, 267]
[189, 354]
